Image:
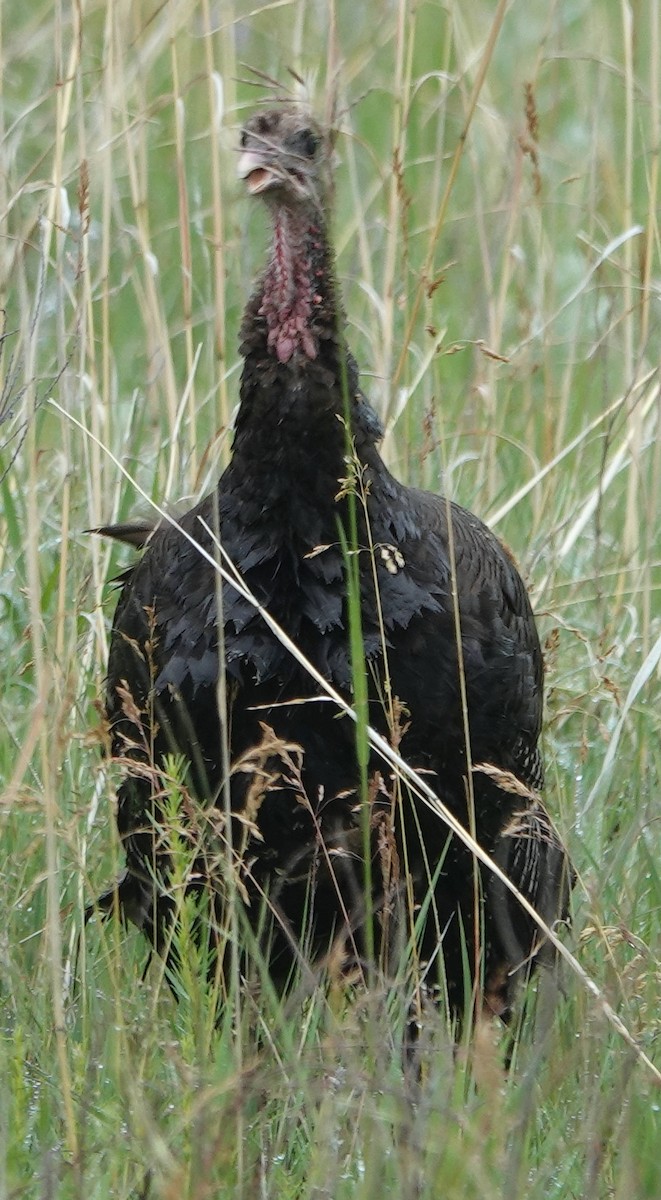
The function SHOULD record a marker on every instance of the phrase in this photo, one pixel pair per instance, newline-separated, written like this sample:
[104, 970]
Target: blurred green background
[496, 223]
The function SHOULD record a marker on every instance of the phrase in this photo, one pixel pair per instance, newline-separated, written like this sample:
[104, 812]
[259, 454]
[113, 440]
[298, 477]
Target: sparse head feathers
[448, 649]
[285, 156]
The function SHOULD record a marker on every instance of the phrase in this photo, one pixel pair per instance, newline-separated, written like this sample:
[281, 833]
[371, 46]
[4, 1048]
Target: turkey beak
[255, 171]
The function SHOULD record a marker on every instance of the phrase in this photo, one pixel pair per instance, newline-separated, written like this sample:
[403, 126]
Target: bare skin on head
[283, 515]
[284, 160]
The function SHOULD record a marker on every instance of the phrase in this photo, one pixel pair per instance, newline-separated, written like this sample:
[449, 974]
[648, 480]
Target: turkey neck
[300, 259]
[290, 438]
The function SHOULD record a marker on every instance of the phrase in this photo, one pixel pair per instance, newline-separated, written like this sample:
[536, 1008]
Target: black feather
[280, 507]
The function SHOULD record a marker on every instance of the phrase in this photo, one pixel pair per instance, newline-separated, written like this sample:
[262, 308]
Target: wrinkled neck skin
[282, 503]
[288, 293]
[298, 381]
[298, 373]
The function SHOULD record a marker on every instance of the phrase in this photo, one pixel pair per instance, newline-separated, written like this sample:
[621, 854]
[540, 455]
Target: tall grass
[498, 246]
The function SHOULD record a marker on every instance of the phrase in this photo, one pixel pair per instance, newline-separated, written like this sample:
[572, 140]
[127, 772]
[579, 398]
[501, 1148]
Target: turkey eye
[243, 140]
[305, 143]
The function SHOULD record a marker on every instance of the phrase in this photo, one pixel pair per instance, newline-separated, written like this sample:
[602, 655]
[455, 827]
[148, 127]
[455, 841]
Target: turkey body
[283, 512]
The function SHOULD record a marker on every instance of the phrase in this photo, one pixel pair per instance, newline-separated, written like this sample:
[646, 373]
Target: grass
[503, 292]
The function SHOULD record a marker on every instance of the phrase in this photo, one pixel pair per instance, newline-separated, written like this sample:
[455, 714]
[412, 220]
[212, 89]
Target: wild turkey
[282, 512]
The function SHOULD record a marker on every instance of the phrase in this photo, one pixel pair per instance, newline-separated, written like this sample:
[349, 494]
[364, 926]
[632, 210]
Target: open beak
[255, 171]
